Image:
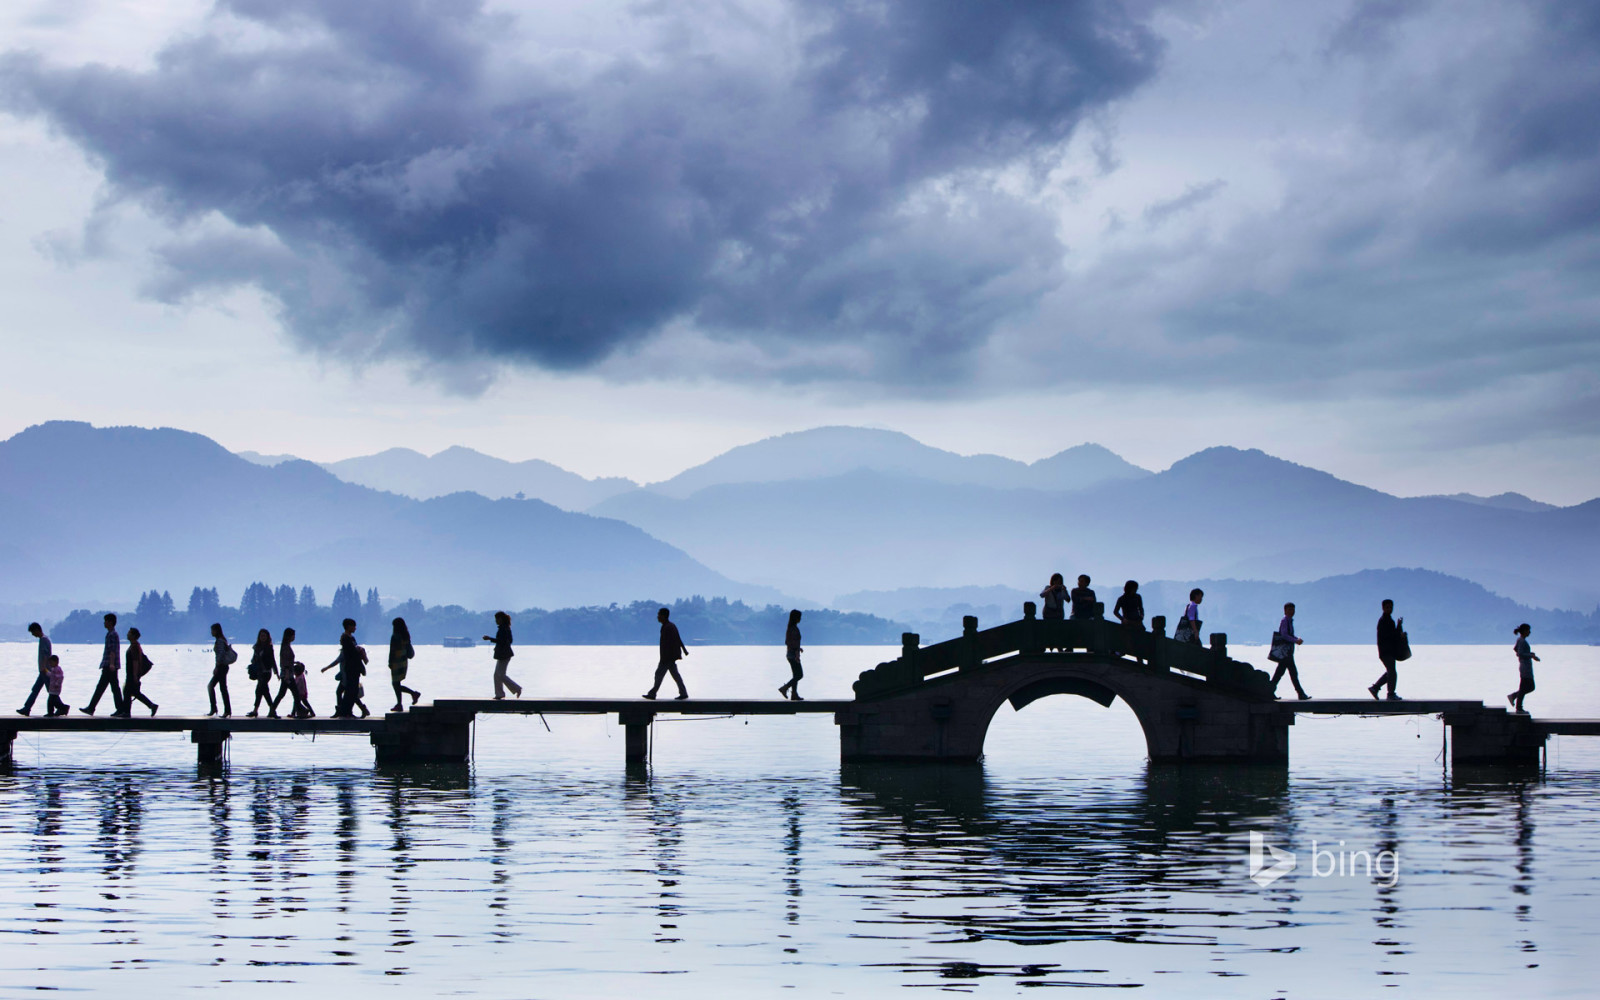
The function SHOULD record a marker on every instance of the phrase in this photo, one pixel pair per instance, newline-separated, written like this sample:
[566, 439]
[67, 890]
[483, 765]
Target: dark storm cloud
[423, 178]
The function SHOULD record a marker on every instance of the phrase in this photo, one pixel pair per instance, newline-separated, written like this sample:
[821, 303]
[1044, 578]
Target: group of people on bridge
[267, 664]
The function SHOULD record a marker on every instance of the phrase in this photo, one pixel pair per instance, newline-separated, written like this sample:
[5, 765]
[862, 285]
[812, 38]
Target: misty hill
[455, 470]
[1510, 501]
[1219, 513]
[831, 451]
[112, 511]
[1438, 609]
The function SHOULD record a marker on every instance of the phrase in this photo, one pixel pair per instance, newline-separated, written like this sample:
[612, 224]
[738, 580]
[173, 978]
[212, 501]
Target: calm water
[745, 861]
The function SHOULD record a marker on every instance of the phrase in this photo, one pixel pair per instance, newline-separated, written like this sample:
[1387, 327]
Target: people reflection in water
[110, 666]
[401, 653]
[262, 668]
[502, 657]
[223, 655]
[672, 649]
[138, 665]
[791, 643]
[1129, 608]
[1525, 658]
[42, 680]
[1054, 598]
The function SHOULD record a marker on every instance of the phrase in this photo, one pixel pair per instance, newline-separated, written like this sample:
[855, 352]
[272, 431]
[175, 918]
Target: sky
[1362, 235]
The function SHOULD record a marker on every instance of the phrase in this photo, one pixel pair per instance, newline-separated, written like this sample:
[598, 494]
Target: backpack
[1402, 642]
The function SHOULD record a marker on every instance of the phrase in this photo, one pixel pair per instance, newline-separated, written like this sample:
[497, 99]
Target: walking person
[1055, 598]
[1083, 599]
[41, 682]
[224, 657]
[1283, 643]
[1129, 608]
[792, 649]
[349, 661]
[286, 684]
[263, 666]
[1188, 629]
[136, 665]
[401, 653]
[302, 697]
[1525, 658]
[1388, 651]
[672, 650]
[53, 680]
[502, 657]
[110, 665]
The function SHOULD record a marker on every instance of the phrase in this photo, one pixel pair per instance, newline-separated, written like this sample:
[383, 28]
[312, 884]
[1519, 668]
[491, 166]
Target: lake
[744, 860]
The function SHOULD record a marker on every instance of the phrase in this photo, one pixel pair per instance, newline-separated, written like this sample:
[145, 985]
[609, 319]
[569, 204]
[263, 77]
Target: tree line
[715, 621]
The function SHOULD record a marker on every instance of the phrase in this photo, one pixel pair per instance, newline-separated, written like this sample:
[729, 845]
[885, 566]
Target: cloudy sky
[624, 236]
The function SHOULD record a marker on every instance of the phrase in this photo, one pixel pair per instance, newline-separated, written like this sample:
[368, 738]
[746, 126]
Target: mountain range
[112, 511]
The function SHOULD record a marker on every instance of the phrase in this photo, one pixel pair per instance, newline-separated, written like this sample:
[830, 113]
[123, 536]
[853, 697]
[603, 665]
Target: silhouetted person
[53, 679]
[110, 665]
[672, 649]
[1130, 606]
[400, 654]
[136, 665]
[1188, 629]
[1388, 650]
[502, 656]
[302, 696]
[1286, 640]
[286, 685]
[41, 682]
[1054, 599]
[350, 663]
[263, 665]
[1083, 599]
[223, 657]
[1525, 658]
[791, 645]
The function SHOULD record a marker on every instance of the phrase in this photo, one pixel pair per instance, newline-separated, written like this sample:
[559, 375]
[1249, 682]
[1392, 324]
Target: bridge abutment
[424, 735]
[1494, 736]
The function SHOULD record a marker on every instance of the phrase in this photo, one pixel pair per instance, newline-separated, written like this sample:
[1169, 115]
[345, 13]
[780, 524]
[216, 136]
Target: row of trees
[701, 620]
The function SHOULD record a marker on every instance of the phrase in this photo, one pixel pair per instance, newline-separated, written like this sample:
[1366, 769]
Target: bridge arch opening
[1092, 732]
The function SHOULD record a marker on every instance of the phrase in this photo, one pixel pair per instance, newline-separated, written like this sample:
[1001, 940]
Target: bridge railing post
[970, 654]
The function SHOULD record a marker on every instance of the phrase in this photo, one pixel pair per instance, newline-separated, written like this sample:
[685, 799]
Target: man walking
[1388, 648]
[110, 664]
[672, 649]
[42, 680]
[1286, 641]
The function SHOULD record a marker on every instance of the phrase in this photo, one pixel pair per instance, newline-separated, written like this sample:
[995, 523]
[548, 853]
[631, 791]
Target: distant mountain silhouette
[1222, 512]
[831, 451]
[454, 470]
[112, 511]
[1510, 501]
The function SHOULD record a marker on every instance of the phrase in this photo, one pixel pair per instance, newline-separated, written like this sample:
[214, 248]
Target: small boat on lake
[459, 642]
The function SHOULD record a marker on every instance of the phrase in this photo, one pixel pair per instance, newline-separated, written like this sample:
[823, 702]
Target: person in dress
[1525, 658]
[1286, 641]
[401, 653]
[792, 650]
[502, 656]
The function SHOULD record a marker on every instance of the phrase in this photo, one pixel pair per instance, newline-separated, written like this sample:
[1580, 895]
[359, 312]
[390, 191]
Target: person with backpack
[263, 666]
[1188, 627]
[224, 657]
[1388, 651]
[138, 665]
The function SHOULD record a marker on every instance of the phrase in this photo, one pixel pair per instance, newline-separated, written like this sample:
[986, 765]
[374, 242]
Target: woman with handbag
[401, 653]
[1188, 629]
[137, 665]
[219, 672]
[1283, 643]
[263, 665]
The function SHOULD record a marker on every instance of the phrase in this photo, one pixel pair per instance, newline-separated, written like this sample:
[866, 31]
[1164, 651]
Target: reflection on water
[745, 860]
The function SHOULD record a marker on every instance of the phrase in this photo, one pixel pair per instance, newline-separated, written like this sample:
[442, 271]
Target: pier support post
[424, 735]
[208, 744]
[1493, 736]
[636, 734]
[7, 738]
